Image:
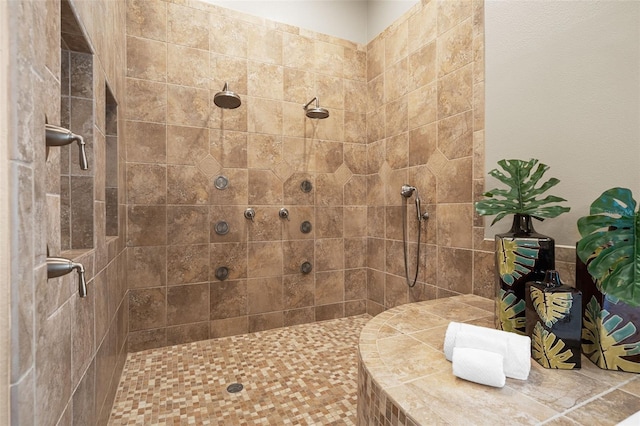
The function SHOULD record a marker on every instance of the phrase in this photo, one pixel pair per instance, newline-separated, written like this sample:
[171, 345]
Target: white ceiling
[355, 20]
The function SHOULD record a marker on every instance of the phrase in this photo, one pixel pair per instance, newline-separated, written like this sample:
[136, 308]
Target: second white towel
[479, 366]
[514, 348]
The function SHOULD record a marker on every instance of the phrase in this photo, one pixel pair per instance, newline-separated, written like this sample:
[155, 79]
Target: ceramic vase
[522, 255]
[610, 327]
[554, 322]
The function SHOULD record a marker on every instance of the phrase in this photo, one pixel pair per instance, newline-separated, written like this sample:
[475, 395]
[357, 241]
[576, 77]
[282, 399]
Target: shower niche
[77, 115]
[89, 109]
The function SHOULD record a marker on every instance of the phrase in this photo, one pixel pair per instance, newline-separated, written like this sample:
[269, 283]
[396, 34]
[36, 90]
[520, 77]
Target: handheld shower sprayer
[407, 191]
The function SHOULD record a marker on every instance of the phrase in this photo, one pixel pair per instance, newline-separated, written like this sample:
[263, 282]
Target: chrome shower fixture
[407, 191]
[59, 136]
[317, 112]
[59, 266]
[226, 98]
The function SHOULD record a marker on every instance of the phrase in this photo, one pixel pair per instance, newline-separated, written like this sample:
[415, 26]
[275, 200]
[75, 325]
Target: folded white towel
[517, 356]
[479, 366]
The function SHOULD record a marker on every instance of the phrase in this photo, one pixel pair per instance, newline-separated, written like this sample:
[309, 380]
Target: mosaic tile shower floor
[300, 375]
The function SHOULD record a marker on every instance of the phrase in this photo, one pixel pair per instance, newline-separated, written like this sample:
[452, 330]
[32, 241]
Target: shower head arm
[309, 103]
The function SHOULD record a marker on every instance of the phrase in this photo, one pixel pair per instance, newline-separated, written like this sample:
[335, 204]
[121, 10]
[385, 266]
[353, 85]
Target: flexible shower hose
[404, 248]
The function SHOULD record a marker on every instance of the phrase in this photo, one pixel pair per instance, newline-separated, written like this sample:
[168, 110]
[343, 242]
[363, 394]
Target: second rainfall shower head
[316, 112]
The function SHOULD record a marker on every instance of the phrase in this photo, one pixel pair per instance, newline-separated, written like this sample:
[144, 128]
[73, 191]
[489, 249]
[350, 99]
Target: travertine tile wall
[407, 108]
[179, 55]
[425, 127]
[66, 352]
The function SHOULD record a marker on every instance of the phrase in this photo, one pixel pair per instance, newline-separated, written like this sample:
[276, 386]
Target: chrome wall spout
[59, 136]
[59, 266]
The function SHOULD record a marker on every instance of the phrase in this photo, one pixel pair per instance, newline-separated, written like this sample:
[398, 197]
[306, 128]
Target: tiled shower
[402, 109]
[405, 108]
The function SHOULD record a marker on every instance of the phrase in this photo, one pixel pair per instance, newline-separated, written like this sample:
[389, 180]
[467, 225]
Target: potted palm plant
[522, 254]
[608, 274]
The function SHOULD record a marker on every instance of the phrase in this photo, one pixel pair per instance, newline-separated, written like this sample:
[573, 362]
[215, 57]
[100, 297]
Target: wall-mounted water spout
[59, 136]
[59, 266]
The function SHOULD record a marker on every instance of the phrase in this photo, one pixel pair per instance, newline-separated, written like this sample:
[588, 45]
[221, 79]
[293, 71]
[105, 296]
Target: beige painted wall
[563, 86]
[5, 294]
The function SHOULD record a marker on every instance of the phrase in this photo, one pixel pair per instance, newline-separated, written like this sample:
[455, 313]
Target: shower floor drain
[234, 388]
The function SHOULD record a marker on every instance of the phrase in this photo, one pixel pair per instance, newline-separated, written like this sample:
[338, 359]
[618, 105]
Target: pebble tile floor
[300, 375]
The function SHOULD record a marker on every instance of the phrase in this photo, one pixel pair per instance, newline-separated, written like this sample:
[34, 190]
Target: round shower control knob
[222, 273]
[284, 213]
[222, 228]
[305, 227]
[306, 267]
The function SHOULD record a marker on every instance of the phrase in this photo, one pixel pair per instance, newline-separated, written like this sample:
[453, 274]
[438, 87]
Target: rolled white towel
[484, 341]
[479, 366]
[517, 363]
[517, 356]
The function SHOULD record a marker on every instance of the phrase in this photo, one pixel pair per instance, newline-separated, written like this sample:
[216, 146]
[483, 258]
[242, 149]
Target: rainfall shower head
[227, 99]
[316, 112]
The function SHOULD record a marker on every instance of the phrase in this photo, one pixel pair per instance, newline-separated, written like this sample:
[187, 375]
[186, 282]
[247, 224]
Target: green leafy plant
[610, 244]
[521, 197]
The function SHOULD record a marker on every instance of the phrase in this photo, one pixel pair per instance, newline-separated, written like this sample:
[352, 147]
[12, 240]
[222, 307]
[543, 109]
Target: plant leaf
[551, 307]
[614, 201]
[610, 244]
[521, 197]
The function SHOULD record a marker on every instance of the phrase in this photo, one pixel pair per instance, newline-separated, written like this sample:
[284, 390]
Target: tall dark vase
[522, 255]
[610, 327]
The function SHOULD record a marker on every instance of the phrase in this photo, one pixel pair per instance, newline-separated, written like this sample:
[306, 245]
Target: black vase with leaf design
[610, 327]
[554, 322]
[522, 255]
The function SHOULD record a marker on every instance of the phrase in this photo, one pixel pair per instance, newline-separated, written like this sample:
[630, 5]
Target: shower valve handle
[59, 136]
[284, 213]
[250, 214]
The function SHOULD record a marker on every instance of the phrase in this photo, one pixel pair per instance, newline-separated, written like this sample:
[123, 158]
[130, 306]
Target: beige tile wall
[425, 127]
[67, 352]
[179, 55]
[406, 108]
